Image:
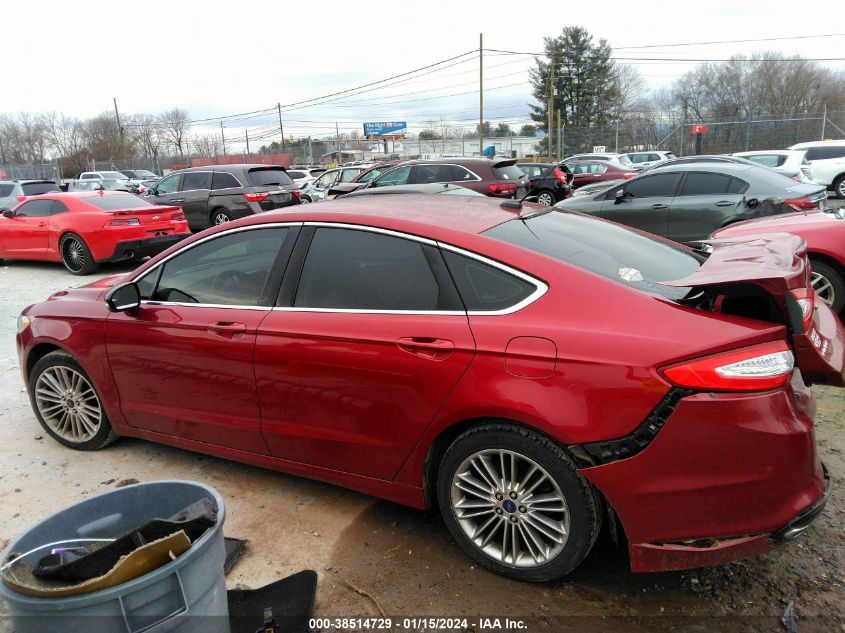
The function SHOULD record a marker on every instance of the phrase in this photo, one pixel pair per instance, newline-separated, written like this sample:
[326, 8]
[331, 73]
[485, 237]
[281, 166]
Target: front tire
[514, 501]
[67, 405]
[828, 284]
[76, 256]
[839, 187]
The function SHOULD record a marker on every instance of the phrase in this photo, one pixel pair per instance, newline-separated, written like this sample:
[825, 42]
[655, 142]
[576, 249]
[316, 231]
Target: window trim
[540, 287]
[239, 229]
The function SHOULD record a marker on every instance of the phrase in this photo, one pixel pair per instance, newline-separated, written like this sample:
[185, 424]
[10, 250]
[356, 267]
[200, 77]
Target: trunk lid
[159, 220]
[767, 277]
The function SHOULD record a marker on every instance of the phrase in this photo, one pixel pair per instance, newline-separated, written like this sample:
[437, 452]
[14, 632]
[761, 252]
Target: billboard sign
[388, 129]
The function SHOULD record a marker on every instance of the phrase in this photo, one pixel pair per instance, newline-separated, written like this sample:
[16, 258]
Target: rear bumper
[145, 247]
[727, 476]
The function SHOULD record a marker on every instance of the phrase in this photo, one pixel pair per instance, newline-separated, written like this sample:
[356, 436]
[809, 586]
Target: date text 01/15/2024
[415, 623]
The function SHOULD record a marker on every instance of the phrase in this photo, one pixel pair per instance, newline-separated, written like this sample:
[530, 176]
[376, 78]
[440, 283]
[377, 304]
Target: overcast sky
[216, 58]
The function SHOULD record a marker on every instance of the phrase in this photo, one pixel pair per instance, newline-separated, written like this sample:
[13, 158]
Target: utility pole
[337, 136]
[117, 116]
[824, 121]
[551, 108]
[281, 127]
[246, 132]
[2, 153]
[559, 138]
[481, 94]
[310, 152]
[223, 138]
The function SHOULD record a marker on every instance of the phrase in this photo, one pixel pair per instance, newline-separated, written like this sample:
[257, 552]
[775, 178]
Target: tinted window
[532, 171]
[484, 287]
[35, 209]
[737, 186]
[657, 185]
[434, 173]
[398, 176]
[117, 201]
[169, 184]
[88, 176]
[224, 180]
[112, 175]
[193, 180]
[702, 184]
[350, 269]
[129, 173]
[604, 248]
[35, 188]
[825, 152]
[296, 175]
[228, 270]
[59, 207]
[510, 172]
[268, 177]
[639, 158]
[6, 190]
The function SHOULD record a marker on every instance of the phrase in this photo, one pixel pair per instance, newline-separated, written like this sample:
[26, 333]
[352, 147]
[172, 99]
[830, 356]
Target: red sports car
[533, 373]
[86, 228]
[825, 237]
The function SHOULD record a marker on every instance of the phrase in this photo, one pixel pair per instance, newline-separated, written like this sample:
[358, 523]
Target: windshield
[117, 201]
[610, 250]
[113, 175]
[625, 160]
[376, 171]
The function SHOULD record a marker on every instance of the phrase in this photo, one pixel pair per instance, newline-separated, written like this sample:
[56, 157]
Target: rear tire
[828, 284]
[76, 256]
[220, 216]
[304, 200]
[839, 187]
[534, 497]
[545, 198]
[66, 404]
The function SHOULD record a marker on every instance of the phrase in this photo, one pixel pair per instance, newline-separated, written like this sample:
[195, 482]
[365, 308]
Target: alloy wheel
[545, 199]
[824, 289]
[74, 254]
[221, 218]
[68, 404]
[510, 508]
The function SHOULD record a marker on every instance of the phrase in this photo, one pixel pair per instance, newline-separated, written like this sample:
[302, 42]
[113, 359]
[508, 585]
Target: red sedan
[86, 228]
[825, 237]
[590, 172]
[526, 370]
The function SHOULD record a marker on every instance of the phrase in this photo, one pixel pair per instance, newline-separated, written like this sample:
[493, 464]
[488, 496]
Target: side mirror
[752, 203]
[124, 298]
[8, 214]
[620, 196]
[152, 191]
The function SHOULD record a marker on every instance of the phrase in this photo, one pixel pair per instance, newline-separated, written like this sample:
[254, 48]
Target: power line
[684, 59]
[762, 39]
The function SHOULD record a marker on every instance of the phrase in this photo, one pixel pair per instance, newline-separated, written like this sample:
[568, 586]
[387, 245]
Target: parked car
[618, 160]
[319, 189]
[104, 175]
[13, 191]
[137, 176]
[688, 202]
[825, 237]
[791, 163]
[304, 177]
[96, 184]
[828, 161]
[419, 352]
[589, 172]
[445, 188]
[83, 230]
[144, 186]
[649, 158]
[550, 182]
[500, 178]
[221, 193]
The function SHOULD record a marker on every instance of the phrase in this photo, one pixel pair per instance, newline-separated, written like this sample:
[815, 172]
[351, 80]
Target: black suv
[550, 182]
[220, 193]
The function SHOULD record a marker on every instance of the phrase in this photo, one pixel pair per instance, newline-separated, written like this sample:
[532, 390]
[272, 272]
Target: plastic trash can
[187, 594]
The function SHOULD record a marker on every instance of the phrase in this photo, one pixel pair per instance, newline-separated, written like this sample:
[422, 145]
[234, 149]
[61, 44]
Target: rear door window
[703, 184]
[348, 269]
[434, 173]
[268, 177]
[194, 180]
[224, 180]
[398, 176]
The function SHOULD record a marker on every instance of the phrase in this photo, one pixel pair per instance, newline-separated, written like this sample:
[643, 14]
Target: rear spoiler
[505, 163]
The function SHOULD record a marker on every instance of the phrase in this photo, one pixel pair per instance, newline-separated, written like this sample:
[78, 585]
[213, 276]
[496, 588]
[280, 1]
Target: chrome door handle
[724, 203]
[659, 207]
[177, 200]
[227, 327]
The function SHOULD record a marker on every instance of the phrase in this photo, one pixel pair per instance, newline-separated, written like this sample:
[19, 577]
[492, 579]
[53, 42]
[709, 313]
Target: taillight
[796, 177]
[559, 175]
[296, 193]
[256, 197]
[805, 298]
[129, 222]
[178, 217]
[500, 188]
[754, 368]
[802, 204]
[629, 174]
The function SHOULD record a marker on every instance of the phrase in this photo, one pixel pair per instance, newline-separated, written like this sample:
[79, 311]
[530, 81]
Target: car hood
[89, 292]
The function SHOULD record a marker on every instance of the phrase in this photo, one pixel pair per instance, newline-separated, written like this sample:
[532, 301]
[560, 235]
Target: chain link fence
[31, 171]
[722, 137]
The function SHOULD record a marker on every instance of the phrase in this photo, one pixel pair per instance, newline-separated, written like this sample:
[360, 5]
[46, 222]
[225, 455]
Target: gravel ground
[375, 556]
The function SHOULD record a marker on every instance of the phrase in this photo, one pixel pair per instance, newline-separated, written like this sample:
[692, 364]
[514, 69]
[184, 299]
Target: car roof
[63, 195]
[726, 166]
[809, 144]
[437, 217]
[427, 187]
[238, 166]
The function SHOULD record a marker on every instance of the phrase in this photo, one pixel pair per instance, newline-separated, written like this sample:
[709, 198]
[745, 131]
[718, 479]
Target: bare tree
[146, 133]
[206, 145]
[174, 127]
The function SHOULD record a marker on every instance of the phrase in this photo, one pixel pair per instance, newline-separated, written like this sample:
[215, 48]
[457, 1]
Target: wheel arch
[39, 351]
[829, 260]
